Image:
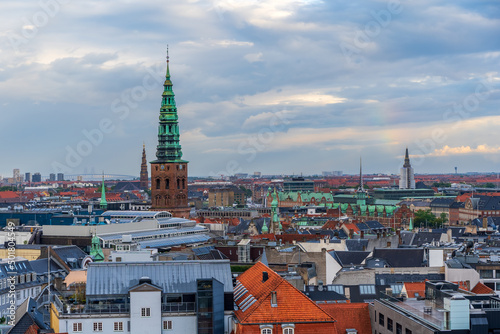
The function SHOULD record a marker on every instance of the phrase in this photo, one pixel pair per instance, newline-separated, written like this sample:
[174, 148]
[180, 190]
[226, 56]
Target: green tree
[425, 217]
[442, 219]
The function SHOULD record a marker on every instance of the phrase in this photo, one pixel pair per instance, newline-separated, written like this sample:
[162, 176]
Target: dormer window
[274, 299]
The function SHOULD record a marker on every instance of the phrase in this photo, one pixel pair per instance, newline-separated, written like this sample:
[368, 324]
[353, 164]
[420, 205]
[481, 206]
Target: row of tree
[428, 219]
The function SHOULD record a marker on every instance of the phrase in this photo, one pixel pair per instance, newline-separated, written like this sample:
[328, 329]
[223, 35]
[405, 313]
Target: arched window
[158, 183]
[183, 183]
[167, 183]
[266, 331]
[178, 184]
[288, 330]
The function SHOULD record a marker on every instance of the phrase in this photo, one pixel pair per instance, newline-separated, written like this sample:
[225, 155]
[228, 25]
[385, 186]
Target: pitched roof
[8, 194]
[346, 258]
[253, 298]
[482, 289]
[351, 315]
[413, 288]
[108, 278]
[400, 257]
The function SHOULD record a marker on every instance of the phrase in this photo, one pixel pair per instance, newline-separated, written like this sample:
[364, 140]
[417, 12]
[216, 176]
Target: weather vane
[167, 54]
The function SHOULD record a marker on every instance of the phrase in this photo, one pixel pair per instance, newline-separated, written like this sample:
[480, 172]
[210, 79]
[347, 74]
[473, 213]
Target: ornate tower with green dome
[169, 172]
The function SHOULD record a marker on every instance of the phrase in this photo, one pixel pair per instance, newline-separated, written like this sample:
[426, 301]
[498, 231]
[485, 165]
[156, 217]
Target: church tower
[144, 184]
[169, 172]
[407, 176]
[361, 193]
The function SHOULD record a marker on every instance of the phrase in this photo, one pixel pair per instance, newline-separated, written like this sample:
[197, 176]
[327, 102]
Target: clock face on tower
[162, 167]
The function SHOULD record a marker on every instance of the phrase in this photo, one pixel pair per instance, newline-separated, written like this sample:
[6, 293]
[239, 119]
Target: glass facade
[210, 306]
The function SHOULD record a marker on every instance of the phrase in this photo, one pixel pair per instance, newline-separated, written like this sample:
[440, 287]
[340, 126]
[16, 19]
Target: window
[381, 319]
[367, 289]
[77, 327]
[274, 299]
[167, 324]
[97, 326]
[497, 273]
[266, 331]
[389, 324]
[288, 330]
[118, 326]
[486, 273]
[408, 331]
[399, 329]
[145, 312]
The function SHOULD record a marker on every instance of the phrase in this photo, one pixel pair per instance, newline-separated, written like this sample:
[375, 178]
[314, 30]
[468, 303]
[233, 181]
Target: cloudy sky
[281, 86]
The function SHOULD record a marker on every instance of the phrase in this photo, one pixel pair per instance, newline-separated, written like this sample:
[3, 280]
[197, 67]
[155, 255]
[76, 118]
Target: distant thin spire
[168, 61]
[361, 187]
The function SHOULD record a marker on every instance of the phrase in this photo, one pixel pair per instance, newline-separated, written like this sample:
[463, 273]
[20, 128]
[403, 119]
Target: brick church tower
[169, 173]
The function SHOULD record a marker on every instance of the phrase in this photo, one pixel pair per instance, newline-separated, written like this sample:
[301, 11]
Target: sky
[280, 87]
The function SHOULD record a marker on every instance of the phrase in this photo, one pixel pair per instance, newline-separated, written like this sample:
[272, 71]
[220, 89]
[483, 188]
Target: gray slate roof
[172, 276]
[347, 258]
[400, 257]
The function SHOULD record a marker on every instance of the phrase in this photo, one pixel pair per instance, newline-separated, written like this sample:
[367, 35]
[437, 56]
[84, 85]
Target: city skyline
[283, 87]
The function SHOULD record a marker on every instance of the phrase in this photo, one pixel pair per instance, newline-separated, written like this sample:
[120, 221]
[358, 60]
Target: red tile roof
[8, 194]
[288, 298]
[482, 289]
[350, 315]
[415, 287]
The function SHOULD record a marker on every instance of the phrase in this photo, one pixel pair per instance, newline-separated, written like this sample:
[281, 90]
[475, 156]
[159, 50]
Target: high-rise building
[169, 172]
[52, 177]
[27, 177]
[144, 184]
[407, 176]
[60, 177]
[37, 177]
[16, 175]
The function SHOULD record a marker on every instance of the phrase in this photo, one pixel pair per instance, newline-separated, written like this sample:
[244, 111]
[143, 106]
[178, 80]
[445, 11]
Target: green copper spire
[169, 148]
[411, 225]
[275, 220]
[103, 204]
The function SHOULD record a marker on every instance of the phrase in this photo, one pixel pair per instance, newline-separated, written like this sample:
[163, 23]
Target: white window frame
[97, 326]
[145, 312]
[167, 325]
[118, 326]
[77, 327]
[288, 330]
[266, 330]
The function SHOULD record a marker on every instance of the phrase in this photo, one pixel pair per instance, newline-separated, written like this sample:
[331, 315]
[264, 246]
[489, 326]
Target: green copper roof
[169, 148]
[95, 250]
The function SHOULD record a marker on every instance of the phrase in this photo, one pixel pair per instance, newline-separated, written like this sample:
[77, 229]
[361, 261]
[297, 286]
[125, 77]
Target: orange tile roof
[352, 226]
[288, 297]
[482, 289]
[350, 315]
[462, 285]
[415, 287]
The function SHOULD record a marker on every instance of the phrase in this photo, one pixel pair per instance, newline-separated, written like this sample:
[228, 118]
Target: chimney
[351, 233]
[378, 235]
[362, 234]
[265, 276]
